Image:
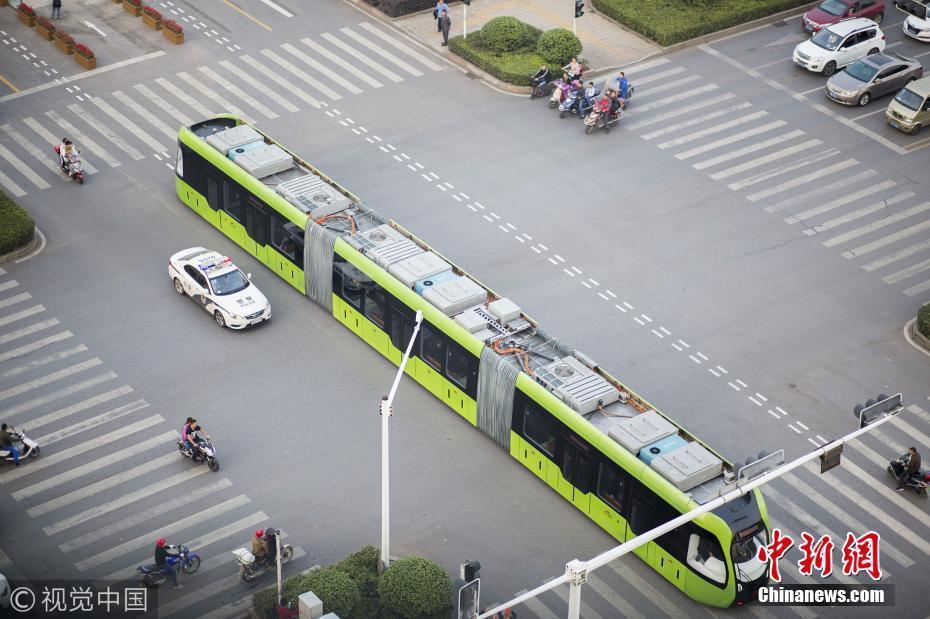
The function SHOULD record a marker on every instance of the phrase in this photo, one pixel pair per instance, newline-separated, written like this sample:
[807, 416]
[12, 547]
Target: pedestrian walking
[437, 13]
[445, 24]
[56, 9]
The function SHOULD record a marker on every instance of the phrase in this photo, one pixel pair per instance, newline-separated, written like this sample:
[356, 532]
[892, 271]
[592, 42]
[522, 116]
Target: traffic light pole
[386, 413]
[464, 21]
[576, 571]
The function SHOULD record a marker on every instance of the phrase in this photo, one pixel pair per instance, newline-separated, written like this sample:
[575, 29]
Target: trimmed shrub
[504, 34]
[396, 8]
[414, 586]
[335, 588]
[558, 46]
[515, 67]
[362, 567]
[923, 320]
[672, 21]
[16, 226]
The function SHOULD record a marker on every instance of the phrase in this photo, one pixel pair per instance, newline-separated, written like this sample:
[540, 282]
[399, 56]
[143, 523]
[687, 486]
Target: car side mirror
[248, 275]
[878, 80]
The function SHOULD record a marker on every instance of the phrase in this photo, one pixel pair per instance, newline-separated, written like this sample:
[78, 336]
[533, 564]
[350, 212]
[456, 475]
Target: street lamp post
[386, 413]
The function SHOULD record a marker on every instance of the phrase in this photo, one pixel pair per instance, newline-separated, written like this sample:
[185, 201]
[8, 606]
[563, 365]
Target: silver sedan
[872, 76]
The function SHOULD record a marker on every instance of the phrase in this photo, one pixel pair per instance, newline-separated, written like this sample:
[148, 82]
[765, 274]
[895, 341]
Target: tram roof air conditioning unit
[577, 385]
[312, 195]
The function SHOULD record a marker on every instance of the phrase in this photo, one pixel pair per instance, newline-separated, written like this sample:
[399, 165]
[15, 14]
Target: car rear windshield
[861, 71]
[827, 40]
[229, 283]
[833, 7]
[909, 99]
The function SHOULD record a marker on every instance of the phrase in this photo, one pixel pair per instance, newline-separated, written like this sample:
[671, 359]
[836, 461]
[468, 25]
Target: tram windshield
[745, 552]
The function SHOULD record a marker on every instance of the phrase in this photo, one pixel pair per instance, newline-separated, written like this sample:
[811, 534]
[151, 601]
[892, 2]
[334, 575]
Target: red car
[831, 11]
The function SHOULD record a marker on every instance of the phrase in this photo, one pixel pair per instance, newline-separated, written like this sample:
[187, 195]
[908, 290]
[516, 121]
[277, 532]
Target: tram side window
[287, 238]
[611, 484]
[257, 220]
[459, 364]
[432, 346]
[401, 328]
[213, 191]
[233, 202]
[194, 170]
[705, 556]
[376, 305]
[539, 429]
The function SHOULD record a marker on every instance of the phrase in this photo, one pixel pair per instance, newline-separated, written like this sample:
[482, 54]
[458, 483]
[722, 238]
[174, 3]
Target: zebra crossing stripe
[49, 378]
[537, 607]
[775, 172]
[332, 75]
[143, 541]
[83, 139]
[7, 285]
[876, 225]
[11, 185]
[918, 289]
[90, 490]
[916, 248]
[89, 403]
[136, 107]
[178, 115]
[381, 52]
[26, 313]
[646, 65]
[106, 131]
[765, 159]
[640, 584]
[697, 135]
[84, 425]
[133, 128]
[827, 189]
[224, 105]
[71, 452]
[348, 49]
[680, 111]
[55, 141]
[56, 395]
[751, 148]
[736, 137]
[184, 97]
[47, 158]
[96, 465]
[273, 76]
[673, 85]
[16, 298]
[312, 81]
[586, 610]
[613, 598]
[400, 46]
[287, 105]
[841, 201]
[319, 49]
[689, 94]
[180, 501]
[58, 356]
[891, 238]
[661, 75]
[800, 180]
[33, 328]
[225, 83]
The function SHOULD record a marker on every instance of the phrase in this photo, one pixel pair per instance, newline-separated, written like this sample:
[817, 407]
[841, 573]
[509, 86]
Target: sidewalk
[606, 44]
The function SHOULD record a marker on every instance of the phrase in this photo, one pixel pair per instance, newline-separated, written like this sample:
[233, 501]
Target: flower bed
[172, 31]
[64, 41]
[45, 28]
[85, 56]
[26, 14]
[133, 7]
[151, 18]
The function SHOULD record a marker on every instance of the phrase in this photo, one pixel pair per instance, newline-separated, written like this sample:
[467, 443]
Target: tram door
[577, 468]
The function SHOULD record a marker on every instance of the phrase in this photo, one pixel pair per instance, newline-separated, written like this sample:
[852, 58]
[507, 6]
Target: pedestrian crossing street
[858, 497]
[876, 222]
[109, 479]
[139, 121]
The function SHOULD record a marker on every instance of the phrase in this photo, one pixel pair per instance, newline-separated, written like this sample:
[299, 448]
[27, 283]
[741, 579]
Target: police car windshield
[229, 283]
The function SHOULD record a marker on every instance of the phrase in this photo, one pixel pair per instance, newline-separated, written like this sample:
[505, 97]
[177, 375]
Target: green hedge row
[16, 226]
[923, 320]
[396, 8]
[672, 21]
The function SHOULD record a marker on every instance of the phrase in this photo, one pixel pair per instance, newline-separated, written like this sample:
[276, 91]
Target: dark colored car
[873, 76]
[831, 11]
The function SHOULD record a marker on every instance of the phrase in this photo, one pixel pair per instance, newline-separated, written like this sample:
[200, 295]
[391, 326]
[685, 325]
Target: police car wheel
[178, 287]
[218, 317]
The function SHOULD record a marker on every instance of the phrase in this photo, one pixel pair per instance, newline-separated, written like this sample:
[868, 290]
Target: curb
[25, 250]
[915, 338]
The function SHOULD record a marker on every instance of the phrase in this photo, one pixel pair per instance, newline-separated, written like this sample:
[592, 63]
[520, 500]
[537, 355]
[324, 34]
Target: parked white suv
[839, 45]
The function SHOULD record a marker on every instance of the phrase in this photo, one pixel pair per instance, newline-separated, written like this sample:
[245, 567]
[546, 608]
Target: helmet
[160, 542]
[260, 533]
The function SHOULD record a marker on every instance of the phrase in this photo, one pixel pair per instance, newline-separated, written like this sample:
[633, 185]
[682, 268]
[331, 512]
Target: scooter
[27, 447]
[918, 482]
[587, 104]
[250, 568]
[600, 117]
[72, 165]
[153, 576]
[203, 451]
[559, 94]
[568, 105]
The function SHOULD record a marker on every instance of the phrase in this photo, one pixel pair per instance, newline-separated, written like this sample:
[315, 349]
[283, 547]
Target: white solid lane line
[96, 465]
[98, 486]
[173, 528]
[841, 201]
[278, 8]
[876, 225]
[53, 140]
[800, 180]
[31, 347]
[348, 49]
[859, 213]
[49, 378]
[765, 159]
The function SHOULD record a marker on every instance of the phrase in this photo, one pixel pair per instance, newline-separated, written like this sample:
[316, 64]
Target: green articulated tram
[626, 466]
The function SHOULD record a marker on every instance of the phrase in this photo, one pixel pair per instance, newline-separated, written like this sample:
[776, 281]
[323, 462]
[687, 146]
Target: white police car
[219, 287]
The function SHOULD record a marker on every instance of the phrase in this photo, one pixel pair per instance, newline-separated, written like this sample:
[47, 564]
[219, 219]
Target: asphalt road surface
[740, 251]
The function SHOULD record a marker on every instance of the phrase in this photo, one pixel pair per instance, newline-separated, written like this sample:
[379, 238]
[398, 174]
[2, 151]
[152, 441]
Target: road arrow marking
[90, 25]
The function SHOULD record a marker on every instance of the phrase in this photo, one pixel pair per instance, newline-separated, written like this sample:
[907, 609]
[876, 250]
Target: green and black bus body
[551, 407]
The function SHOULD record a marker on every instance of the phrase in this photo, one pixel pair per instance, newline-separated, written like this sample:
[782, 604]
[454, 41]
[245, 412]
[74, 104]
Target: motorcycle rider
[622, 84]
[541, 78]
[616, 103]
[8, 441]
[260, 546]
[911, 467]
[587, 100]
[65, 151]
[192, 433]
[162, 552]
